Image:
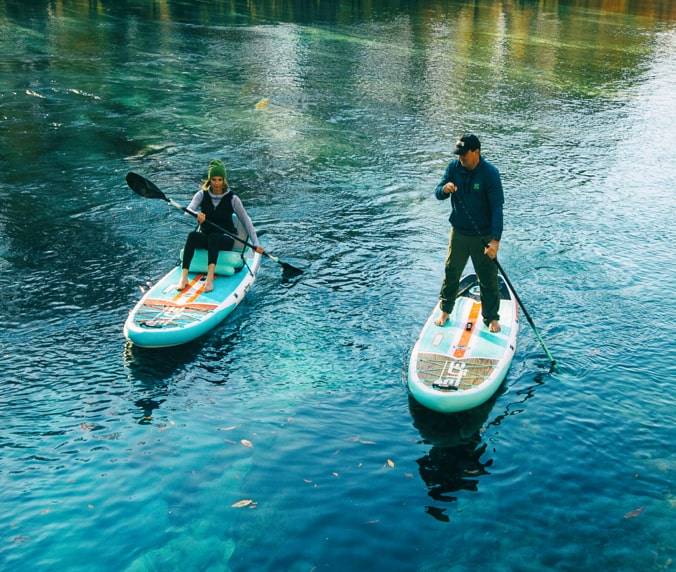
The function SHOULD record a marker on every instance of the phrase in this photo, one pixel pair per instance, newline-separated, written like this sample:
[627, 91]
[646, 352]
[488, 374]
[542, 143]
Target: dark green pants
[460, 249]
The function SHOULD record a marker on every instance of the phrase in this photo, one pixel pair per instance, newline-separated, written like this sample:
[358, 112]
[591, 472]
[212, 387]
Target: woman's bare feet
[442, 319]
[208, 286]
[183, 282]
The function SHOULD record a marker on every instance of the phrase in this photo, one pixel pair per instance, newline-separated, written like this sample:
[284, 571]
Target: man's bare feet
[442, 319]
[494, 326]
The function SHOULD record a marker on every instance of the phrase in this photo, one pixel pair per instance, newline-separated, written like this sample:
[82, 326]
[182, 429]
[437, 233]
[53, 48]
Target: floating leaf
[242, 503]
[390, 463]
[246, 443]
[334, 474]
[263, 103]
[228, 428]
[308, 481]
[634, 513]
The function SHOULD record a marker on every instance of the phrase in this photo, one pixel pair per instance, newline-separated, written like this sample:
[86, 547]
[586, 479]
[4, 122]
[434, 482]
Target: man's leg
[458, 253]
[487, 272]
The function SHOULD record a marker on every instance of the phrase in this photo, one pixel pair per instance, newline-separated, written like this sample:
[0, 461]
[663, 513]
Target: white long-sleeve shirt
[237, 207]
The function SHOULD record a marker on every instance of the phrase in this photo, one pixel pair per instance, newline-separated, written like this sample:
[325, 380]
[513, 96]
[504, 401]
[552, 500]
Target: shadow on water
[454, 462]
[153, 370]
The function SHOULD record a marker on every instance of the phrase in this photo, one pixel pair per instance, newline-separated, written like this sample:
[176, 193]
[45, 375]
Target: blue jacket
[477, 204]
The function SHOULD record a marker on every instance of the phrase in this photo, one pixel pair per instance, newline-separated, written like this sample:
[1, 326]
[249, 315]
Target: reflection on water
[454, 461]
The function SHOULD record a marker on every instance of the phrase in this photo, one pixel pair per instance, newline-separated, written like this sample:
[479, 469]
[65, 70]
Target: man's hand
[492, 249]
[449, 188]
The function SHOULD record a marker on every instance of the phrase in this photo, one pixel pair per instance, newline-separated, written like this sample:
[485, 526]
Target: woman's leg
[217, 242]
[195, 240]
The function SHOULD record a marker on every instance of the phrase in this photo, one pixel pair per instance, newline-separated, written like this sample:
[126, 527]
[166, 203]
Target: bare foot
[494, 326]
[181, 284]
[208, 286]
[442, 319]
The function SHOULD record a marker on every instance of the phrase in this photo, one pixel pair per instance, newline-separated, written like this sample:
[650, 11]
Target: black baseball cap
[468, 142]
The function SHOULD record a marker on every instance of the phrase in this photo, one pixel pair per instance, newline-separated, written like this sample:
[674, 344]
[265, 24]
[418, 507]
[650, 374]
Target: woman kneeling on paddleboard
[216, 204]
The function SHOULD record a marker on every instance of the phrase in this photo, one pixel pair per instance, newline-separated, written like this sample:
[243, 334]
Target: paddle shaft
[220, 229]
[147, 189]
[509, 283]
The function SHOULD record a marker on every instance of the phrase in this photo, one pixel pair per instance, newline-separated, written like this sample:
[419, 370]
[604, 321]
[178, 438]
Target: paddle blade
[142, 186]
[289, 271]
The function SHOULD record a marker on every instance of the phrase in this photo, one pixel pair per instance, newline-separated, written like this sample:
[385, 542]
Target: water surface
[117, 458]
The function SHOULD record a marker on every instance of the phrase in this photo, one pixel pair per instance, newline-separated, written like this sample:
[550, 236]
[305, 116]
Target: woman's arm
[242, 215]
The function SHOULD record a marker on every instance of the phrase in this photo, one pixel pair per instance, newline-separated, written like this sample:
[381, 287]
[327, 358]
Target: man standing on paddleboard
[475, 189]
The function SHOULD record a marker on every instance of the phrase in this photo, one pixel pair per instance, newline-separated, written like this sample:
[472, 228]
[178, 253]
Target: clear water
[115, 458]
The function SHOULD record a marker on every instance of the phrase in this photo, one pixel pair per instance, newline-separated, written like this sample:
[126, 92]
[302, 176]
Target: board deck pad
[450, 374]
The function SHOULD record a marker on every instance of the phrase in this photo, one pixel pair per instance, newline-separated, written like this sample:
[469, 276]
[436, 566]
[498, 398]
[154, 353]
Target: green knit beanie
[216, 169]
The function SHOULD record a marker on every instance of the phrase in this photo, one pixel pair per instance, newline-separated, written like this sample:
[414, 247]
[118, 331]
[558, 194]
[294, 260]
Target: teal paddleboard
[167, 317]
[461, 364]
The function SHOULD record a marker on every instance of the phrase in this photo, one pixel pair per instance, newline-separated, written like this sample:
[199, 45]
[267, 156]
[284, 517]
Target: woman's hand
[201, 217]
[259, 249]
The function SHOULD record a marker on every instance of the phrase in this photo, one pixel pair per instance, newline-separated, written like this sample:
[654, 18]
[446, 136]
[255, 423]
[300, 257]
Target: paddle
[511, 287]
[145, 188]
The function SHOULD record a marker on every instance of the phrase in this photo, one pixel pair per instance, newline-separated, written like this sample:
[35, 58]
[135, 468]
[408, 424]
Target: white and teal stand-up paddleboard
[168, 317]
[461, 364]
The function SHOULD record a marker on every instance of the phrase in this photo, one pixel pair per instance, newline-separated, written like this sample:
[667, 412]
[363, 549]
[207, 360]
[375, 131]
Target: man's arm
[439, 189]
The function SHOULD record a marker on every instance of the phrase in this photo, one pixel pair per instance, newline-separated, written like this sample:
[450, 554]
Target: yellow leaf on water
[390, 463]
[263, 103]
[246, 443]
[634, 513]
[242, 503]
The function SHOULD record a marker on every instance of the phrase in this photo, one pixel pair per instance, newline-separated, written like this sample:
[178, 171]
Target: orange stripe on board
[187, 288]
[196, 294]
[170, 304]
[461, 348]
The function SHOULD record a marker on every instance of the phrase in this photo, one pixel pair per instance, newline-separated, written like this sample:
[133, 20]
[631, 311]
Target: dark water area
[335, 121]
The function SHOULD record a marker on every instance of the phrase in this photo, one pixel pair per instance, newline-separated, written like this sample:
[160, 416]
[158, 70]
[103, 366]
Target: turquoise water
[115, 458]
